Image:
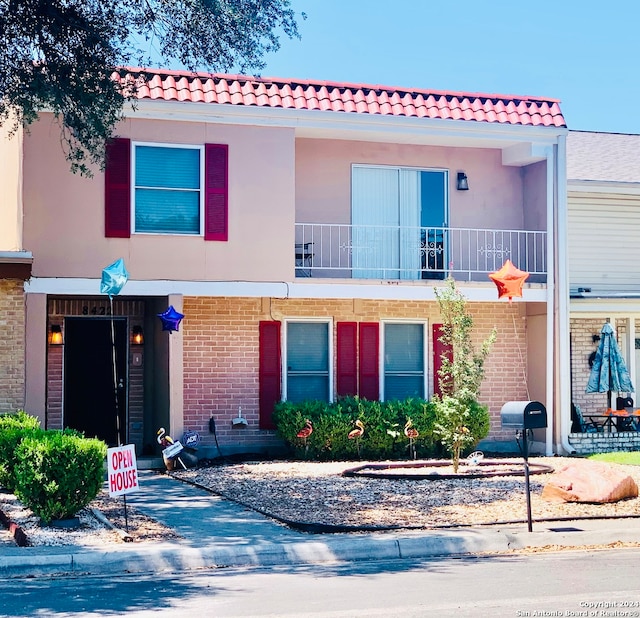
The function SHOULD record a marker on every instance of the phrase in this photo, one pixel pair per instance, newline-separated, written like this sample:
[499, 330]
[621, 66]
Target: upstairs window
[167, 191]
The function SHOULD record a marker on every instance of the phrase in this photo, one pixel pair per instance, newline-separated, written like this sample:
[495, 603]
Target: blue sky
[585, 53]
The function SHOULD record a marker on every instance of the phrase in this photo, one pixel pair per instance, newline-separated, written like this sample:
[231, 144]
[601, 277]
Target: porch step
[150, 463]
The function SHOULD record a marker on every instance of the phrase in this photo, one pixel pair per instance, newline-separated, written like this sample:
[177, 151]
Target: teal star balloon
[114, 277]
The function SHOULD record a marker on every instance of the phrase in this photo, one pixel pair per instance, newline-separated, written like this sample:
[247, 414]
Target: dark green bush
[59, 473]
[14, 427]
[383, 422]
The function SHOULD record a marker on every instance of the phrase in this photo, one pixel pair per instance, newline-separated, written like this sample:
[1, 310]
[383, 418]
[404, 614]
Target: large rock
[589, 481]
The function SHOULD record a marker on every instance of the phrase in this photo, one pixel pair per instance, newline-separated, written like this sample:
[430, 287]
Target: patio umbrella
[609, 372]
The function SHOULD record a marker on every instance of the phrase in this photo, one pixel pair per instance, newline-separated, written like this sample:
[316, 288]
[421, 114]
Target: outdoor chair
[585, 425]
[626, 423]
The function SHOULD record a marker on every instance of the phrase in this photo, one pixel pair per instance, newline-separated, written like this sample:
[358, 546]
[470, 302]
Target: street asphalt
[220, 533]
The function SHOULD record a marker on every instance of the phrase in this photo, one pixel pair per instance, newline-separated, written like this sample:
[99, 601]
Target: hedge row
[53, 473]
[383, 422]
[384, 428]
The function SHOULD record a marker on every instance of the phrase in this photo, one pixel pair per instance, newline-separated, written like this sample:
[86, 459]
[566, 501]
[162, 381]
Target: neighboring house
[603, 183]
[15, 268]
[301, 229]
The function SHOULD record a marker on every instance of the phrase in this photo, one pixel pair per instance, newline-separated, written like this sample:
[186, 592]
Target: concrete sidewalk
[218, 533]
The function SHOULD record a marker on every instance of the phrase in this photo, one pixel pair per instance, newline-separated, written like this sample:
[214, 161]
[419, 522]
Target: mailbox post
[522, 416]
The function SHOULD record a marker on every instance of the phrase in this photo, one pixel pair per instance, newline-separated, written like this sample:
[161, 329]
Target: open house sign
[122, 470]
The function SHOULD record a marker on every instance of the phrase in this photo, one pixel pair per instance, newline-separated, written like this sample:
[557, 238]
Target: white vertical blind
[375, 206]
[409, 224]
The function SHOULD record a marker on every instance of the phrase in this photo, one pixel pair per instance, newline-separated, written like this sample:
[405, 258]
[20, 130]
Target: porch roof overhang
[476, 292]
[606, 304]
[15, 264]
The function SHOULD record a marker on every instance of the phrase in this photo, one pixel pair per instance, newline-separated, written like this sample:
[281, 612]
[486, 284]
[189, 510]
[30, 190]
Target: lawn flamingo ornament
[304, 433]
[412, 433]
[167, 442]
[356, 434]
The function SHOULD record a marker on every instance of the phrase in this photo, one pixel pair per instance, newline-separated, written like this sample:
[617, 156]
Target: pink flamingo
[356, 434]
[412, 433]
[304, 433]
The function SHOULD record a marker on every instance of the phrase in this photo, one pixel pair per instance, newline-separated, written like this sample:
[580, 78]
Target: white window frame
[199, 147]
[283, 352]
[425, 353]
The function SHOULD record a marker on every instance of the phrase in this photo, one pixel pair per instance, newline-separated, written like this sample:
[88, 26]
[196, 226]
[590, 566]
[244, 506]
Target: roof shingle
[166, 85]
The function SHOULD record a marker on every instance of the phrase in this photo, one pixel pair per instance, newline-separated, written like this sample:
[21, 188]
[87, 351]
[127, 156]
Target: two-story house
[301, 229]
[603, 186]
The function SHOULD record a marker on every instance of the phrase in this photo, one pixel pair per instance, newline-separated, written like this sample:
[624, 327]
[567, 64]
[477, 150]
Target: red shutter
[269, 371]
[117, 189]
[347, 368]
[439, 350]
[216, 205]
[369, 361]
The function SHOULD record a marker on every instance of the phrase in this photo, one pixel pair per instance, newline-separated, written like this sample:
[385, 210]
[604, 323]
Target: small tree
[459, 421]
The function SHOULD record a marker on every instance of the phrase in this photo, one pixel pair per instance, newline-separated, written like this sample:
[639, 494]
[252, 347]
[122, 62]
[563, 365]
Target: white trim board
[277, 289]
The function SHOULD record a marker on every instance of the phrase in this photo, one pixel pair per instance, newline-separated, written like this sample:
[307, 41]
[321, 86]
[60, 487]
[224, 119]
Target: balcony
[412, 254]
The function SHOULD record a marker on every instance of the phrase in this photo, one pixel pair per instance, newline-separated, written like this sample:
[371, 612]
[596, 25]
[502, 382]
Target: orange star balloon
[509, 280]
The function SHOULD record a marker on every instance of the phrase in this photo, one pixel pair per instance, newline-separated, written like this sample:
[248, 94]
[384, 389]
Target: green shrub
[58, 473]
[460, 424]
[19, 419]
[479, 422]
[383, 423]
[14, 427]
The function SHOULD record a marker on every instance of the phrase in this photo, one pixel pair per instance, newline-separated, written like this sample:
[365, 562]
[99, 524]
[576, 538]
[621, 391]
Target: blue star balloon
[114, 277]
[170, 319]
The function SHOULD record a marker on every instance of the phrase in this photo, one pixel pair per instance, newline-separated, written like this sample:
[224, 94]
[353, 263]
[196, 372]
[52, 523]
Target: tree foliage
[461, 376]
[460, 420]
[60, 55]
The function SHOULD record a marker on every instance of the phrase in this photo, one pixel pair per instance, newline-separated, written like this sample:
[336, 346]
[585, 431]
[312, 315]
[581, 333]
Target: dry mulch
[102, 523]
[317, 497]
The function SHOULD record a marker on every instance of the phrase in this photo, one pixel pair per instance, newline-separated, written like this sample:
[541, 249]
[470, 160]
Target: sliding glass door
[392, 210]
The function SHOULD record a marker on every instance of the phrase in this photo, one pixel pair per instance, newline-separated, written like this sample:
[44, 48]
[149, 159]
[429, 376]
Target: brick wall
[220, 337]
[582, 345]
[605, 442]
[12, 342]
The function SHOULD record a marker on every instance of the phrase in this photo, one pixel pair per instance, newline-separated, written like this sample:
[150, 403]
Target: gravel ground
[317, 494]
[102, 524]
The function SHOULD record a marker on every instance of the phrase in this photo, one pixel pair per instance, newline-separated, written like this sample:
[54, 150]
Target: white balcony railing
[379, 252]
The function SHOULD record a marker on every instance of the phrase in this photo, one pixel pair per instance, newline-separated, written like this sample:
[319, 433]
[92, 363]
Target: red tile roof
[341, 97]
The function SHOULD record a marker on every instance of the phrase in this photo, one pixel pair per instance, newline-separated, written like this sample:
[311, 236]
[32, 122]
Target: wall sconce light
[462, 184]
[137, 336]
[55, 335]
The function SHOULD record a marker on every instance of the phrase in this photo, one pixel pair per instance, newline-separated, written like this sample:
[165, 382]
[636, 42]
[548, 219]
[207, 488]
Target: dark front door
[90, 403]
